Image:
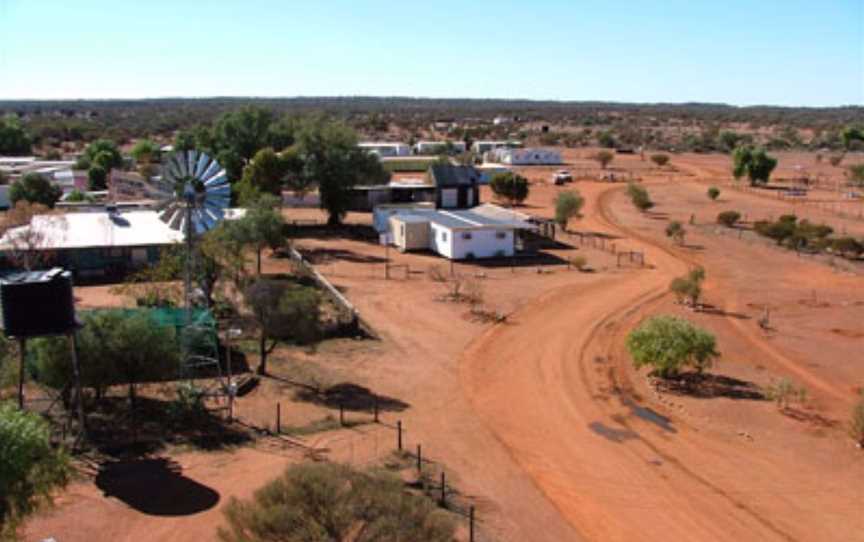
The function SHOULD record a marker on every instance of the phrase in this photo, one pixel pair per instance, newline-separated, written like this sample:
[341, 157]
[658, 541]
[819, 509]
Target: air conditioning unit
[37, 303]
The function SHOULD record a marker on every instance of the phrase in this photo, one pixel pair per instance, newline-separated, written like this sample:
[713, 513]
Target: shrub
[856, 174]
[509, 186]
[754, 163]
[728, 218]
[847, 247]
[579, 262]
[29, 466]
[784, 393]
[669, 344]
[436, 274]
[675, 230]
[326, 501]
[689, 287]
[639, 196]
[567, 205]
[713, 193]
[856, 424]
[34, 188]
[836, 159]
[660, 160]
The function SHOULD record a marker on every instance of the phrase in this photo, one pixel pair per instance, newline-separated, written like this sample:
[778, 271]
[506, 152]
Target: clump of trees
[510, 186]
[34, 188]
[14, 140]
[604, 158]
[713, 193]
[99, 158]
[728, 218]
[567, 205]
[146, 154]
[669, 345]
[688, 289]
[639, 196]
[326, 501]
[856, 174]
[788, 231]
[675, 231]
[30, 468]
[754, 163]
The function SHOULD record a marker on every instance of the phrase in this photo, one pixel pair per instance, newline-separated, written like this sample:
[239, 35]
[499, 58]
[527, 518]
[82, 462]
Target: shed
[410, 232]
[456, 187]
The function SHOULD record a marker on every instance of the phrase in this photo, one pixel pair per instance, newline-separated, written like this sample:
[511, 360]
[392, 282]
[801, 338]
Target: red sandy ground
[543, 421]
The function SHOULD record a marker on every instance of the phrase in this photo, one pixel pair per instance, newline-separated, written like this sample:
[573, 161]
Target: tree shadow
[707, 386]
[612, 433]
[520, 260]
[808, 417]
[707, 308]
[350, 397]
[154, 486]
[325, 255]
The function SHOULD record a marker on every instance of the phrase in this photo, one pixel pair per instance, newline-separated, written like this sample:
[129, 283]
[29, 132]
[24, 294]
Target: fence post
[471, 524]
[443, 489]
[419, 460]
[399, 435]
[375, 406]
[341, 414]
[278, 418]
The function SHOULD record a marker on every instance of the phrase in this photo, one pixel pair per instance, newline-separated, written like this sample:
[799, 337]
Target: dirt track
[554, 389]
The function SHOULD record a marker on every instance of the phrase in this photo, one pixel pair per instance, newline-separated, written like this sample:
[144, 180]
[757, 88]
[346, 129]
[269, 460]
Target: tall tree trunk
[258, 267]
[262, 351]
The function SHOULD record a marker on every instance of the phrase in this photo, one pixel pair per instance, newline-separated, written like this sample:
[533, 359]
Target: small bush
[836, 159]
[713, 193]
[675, 231]
[639, 196]
[660, 160]
[729, 218]
[604, 158]
[567, 205]
[436, 274]
[785, 393]
[579, 262]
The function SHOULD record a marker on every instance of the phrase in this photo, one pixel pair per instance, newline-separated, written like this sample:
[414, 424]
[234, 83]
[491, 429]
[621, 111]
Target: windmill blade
[201, 166]
[219, 179]
[212, 170]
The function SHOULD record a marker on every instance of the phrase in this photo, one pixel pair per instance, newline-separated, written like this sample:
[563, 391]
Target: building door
[449, 198]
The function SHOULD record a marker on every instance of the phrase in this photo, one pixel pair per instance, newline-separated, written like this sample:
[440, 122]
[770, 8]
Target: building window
[466, 235]
[444, 236]
[500, 235]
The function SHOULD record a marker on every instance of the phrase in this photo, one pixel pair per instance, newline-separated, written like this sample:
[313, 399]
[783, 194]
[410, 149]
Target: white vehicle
[562, 176]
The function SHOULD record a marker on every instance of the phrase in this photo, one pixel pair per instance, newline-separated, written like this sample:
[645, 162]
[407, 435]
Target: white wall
[441, 240]
[484, 243]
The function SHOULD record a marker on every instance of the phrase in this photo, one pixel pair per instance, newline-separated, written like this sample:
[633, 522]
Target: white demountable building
[482, 147]
[386, 149]
[439, 147]
[525, 157]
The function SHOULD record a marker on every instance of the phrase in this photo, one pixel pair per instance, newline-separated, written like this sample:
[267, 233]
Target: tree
[675, 230]
[850, 135]
[145, 151]
[30, 468]
[332, 160]
[669, 344]
[856, 174]
[848, 247]
[14, 140]
[265, 173]
[754, 163]
[104, 153]
[24, 243]
[34, 188]
[97, 178]
[729, 140]
[606, 140]
[283, 312]
[567, 205]
[261, 227]
[713, 193]
[329, 501]
[604, 158]
[660, 160]
[184, 140]
[689, 287]
[728, 218]
[510, 186]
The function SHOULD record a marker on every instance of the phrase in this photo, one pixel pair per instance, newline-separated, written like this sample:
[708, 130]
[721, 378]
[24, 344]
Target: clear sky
[784, 52]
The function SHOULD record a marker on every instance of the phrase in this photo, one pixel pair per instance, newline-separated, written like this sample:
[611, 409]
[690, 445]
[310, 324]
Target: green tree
[97, 178]
[103, 153]
[14, 140]
[184, 140]
[606, 140]
[754, 163]
[34, 188]
[510, 186]
[675, 230]
[266, 173]
[689, 287]
[639, 196]
[283, 312]
[713, 193]
[660, 160]
[669, 344]
[856, 174]
[329, 501]
[260, 228]
[728, 218]
[332, 161]
[30, 468]
[604, 158]
[850, 135]
[568, 205]
[145, 151]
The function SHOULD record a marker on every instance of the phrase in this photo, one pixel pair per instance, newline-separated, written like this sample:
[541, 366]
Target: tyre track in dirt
[569, 396]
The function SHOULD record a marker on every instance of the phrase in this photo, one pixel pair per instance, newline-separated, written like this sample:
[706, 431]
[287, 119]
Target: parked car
[562, 176]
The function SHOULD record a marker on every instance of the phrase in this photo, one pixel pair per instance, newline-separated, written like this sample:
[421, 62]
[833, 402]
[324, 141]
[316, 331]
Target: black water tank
[37, 303]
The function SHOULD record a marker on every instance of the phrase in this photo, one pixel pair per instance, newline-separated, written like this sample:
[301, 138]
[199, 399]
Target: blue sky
[737, 51]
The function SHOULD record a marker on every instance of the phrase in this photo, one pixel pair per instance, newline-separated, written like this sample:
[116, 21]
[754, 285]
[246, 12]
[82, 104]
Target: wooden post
[341, 414]
[443, 489]
[471, 524]
[22, 343]
[278, 418]
[419, 460]
[375, 407]
[399, 435]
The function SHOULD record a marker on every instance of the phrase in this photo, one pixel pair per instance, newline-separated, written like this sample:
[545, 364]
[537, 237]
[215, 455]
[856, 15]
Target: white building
[385, 149]
[481, 232]
[439, 147]
[524, 157]
[482, 147]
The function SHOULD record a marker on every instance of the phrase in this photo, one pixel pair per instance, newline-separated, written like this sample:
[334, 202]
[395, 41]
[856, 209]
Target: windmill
[192, 196]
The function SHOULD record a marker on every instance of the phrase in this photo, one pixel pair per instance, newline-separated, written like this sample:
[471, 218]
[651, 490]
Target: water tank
[37, 303]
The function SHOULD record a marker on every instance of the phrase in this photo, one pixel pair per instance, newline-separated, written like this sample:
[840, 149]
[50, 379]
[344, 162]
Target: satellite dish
[193, 192]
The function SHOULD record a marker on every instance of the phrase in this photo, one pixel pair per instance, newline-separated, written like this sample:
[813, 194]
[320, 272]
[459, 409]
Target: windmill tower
[192, 196]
